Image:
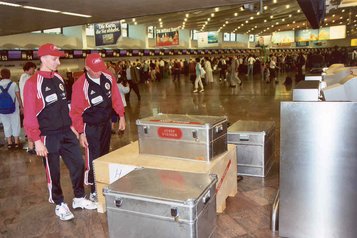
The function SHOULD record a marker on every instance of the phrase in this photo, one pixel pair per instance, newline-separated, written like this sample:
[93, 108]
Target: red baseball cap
[49, 49]
[95, 62]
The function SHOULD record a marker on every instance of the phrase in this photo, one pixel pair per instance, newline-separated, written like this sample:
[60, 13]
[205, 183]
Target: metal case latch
[174, 213]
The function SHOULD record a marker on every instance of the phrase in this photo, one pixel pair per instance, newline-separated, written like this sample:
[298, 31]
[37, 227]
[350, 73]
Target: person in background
[124, 88]
[208, 68]
[251, 61]
[133, 81]
[29, 69]
[11, 121]
[198, 80]
[94, 95]
[48, 124]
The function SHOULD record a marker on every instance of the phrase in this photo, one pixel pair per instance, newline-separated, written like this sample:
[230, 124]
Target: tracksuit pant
[65, 145]
[98, 138]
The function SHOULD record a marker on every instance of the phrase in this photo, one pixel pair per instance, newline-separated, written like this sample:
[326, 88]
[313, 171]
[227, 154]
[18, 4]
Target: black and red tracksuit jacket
[46, 111]
[92, 103]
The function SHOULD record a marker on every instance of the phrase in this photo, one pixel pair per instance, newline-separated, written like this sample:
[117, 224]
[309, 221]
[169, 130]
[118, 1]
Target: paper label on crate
[177, 122]
[169, 133]
[116, 171]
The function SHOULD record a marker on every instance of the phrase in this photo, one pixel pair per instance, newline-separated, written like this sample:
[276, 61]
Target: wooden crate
[110, 167]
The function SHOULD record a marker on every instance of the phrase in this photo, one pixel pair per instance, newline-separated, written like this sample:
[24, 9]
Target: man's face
[31, 71]
[93, 74]
[49, 63]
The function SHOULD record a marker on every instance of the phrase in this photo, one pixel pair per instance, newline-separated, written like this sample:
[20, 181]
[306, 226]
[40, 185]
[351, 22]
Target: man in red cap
[94, 95]
[48, 124]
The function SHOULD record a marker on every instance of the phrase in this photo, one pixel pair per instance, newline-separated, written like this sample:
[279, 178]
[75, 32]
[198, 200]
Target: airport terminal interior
[305, 184]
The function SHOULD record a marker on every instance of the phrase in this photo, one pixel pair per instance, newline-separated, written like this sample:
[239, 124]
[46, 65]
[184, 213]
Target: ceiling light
[333, 21]
[236, 14]
[271, 17]
[341, 17]
[333, 15]
[242, 8]
[265, 7]
[242, 24]
[255, 27]
[304, 23]
[293, 22]
[187, 15]
[290, 15]
[238, 27]
[76, 14]
[224, 24]
[265, 20]
[159, 19]
[10, 4]
[275, 1]
[246, 21]
[298, 11]
[293, 28]
[343, 10]
[288, 25]
[283, 19]
[206, 23]
[41, 9]
[276, 23]
[251, 18]
[258, 13]
[133, 20]
[340, 22]
[135, 23]
[287, 6]
[216, 9]
[212, 14]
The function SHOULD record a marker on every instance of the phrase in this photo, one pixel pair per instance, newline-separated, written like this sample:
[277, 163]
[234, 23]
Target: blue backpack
[7, 105]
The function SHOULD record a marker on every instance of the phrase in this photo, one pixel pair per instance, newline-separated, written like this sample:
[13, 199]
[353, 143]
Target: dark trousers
[66, 145]
[98, 138]
[133, 86]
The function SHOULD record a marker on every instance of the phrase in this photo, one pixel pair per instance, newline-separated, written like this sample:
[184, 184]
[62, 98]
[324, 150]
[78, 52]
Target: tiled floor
[25, 211]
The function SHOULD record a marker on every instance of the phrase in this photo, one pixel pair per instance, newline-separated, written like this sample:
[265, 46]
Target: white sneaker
[93, 197]
[195, 91]
[83, 203]
[202, 90]
[63, 212]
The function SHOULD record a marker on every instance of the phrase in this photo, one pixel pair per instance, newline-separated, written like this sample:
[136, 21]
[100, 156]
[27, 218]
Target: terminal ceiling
[239, 16]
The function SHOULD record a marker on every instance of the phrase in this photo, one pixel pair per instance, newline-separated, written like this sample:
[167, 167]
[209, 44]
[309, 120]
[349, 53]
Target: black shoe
[232, 86]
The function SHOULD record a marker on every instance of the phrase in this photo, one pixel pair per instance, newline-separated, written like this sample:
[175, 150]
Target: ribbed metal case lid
[251, 127]
[163, 184]
[178, 119]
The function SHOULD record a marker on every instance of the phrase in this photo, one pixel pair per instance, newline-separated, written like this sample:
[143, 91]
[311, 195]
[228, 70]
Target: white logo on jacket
[61, 87]
[107, 86]
[51, 98]
[97, 100]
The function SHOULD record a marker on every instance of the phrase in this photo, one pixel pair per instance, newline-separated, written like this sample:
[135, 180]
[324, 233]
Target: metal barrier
[275, 213]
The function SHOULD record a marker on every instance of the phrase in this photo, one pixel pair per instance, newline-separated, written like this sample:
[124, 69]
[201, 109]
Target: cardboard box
[116, 164]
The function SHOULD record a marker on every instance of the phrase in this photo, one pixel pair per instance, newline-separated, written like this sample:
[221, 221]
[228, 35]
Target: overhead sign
[107, 33]
[167, 37]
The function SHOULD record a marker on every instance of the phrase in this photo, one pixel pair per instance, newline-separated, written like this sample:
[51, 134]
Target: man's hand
[121, 124]
[83, 140]
[41, 149]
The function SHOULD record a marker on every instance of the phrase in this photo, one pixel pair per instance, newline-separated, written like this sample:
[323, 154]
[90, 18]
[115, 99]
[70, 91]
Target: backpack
[7, 105]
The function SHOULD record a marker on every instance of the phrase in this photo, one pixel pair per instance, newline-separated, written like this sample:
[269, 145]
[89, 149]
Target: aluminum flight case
[162, 203]
[255, 142]
[185, 136]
